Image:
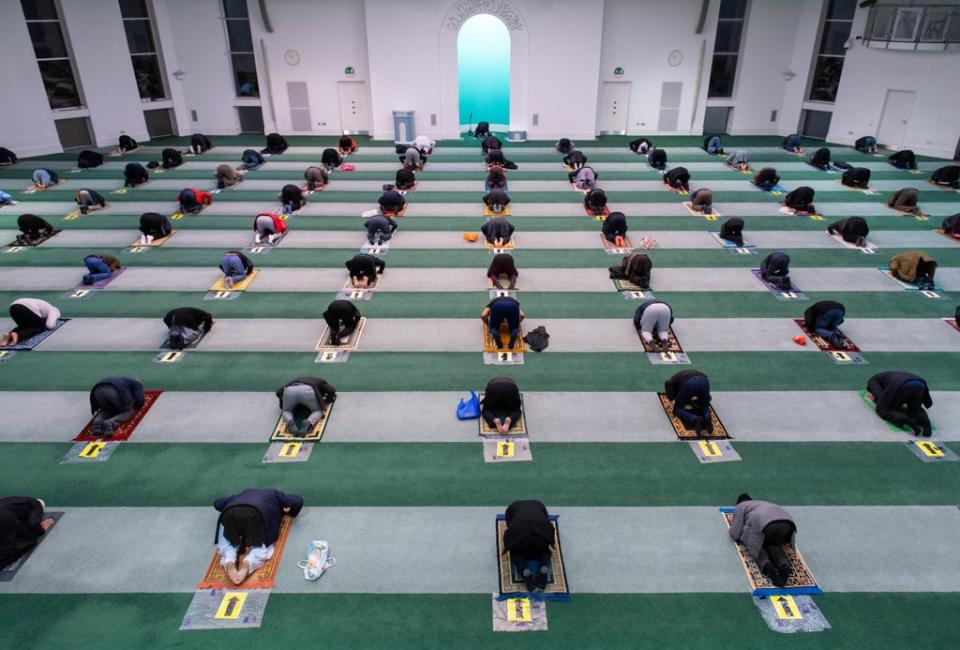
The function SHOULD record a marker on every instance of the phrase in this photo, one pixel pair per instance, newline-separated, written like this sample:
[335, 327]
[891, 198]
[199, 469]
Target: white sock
[149, 238]
[143, 240]
[256, 238]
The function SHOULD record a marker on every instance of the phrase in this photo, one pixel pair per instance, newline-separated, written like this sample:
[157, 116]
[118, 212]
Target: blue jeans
[826, 326]
[98, 269]
[233, 268]
[694, 387]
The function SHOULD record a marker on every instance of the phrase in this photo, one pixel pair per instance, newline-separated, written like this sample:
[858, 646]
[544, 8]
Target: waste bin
[403, 126]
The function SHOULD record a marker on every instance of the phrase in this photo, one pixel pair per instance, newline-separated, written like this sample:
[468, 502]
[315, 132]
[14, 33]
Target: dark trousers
[489, 415]
[28, 323]
[112, 412]
[337, 332]
[522, 562]
[775, 535]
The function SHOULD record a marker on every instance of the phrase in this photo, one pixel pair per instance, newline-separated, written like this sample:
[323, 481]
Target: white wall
[638, 35]
[868, 73]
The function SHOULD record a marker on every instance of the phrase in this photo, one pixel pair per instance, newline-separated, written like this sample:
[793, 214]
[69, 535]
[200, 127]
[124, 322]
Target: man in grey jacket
[763, 528]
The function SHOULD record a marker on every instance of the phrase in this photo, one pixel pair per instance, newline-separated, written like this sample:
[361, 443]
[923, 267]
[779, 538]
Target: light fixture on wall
[789, 75]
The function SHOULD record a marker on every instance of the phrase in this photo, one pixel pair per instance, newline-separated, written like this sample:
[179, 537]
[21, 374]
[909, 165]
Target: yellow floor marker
[710, 449]
[840, 356]
[14, 249]
[329, 356]
[505, 449]
[518, 610]
[71, 216]
[92, 450]
[176, 215]
[930, 449]
[290, 449]
[816, 217]
[786, 608]
[231, 605]
[171, 357]
[80, 293]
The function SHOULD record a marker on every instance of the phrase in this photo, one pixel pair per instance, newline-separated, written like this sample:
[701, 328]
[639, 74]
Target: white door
[895, 118]
[614, 101]
[354, 107]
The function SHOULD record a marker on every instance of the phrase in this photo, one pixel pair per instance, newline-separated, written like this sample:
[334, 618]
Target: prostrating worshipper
[501, 406]
[411, 158]
[346, 145]
[856, 177]
[701, 200]
[268, 226]
[186, 325]
[126, 143]
[595, 200]
[763, 528]
[5, 198]
[948, 176]
[391, 203]
[276, 144]
[311, 393]
[800, 200]
[905, 200]
[497, 231]
[614, 229]
[825, 318]
[236, 267]
[496, 158]
[914, 267]
[732, 230]
[364, 269]
[33, 229]
[739, 160]
[564, 146]
[248, 527]
[154, 225]
[575, 159]
[677, 178]
[496, 200]
[820, 158]
[584, 178]
[482, 130]
[902, 399]
[100, 266]
[31, 316]
[316, 177]
[135, 174]
[200, 143]
[342, 316]
[192, 200]
[292, 198]
[89, 159]
[496, 178]
[904, 159]
[853, 230]
[490, 143]
[657, 159]
[653, 318]
[634, 268]
[529, 539]
[866, 144]
[251, 159]
[641, 146]
[775, 269]
[766, 179]
[7, 157]
[503, 266]
[792, 143]
[380, 229]
[951, 225]
[331, 159]
[170, 158]
[690, 392]
[405, 179]
[112, 402]
[502, 309]
[227, 176]
[44, 178]
[711, 144]
[88, 200]
[424, 144]
[21, 525]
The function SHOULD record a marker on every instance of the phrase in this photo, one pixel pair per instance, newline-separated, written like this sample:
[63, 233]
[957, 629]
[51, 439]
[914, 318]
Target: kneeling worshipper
[763, 528]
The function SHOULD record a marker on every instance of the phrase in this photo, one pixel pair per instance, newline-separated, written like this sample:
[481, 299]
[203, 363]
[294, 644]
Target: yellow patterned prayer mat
[800, 581]
[719, 431]
[237, 286]
[348, 285]
[263, 578]
[823, 344]
[510, 245]
[349, 344]
[519, 428]
[281, 434]
[672, 341]
[689, 206]
[156, 242]
[489, 345]
[612, 246]
[487, 212]
[512, 585]
[626, 285]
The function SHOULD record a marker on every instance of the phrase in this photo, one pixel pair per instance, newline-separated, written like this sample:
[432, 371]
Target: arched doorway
[483, 72]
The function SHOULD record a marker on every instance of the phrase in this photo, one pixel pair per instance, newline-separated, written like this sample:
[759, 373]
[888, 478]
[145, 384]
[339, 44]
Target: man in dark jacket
[595, 201]
[498, 231]
[657, 159]
[900, 398]
[276, 144]
[800, 200]
[775, 269]
[364, 269]
[732, 231]
[824, 318]
[248, 527]
[614, 229]
[200, 143]
[292, 198]
[853, 230]
[170, 158]
[33, 229]
[154, 225]
[490, 143]
[496, 200]
[501, 406]
[342, 316]
[677, 178]
[89, 159]
[856, 177]
[21, 525]
[135, 174]
[690, 392]
[391, 202]
[948, 176]
[766, 179]
[112, 402]
[503, 309]
[380, 228]
[820, 158]
[763, 528]
[529, 539]
[904, 159]
[312, 393]
[186, 326]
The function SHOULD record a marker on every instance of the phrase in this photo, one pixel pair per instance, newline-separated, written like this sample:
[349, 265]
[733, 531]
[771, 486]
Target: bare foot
[506, 426]
[47, 523]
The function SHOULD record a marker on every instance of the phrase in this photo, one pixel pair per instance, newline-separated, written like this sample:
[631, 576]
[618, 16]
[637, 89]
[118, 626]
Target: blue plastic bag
[469, 409]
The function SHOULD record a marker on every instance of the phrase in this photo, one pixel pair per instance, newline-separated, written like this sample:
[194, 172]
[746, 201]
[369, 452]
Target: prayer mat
[318, 188]
[609, 245]
[512, 585]
[519, 428]
[867, 399]
[347, 345]
[57, 230]
[869, 248]
[349, 288]
[689, 206]
[726, 243]
[34, 341]
[674, 344]
[156, 242]
[9, 572]
[941, 187]
[502, 284]
[266, 244]
[906, 285]
[262, 578]
[676, 190]
[125, 430]
[102, 283]
[626, 285]
[921, 215]
[719, 431]
[192, 346]
[952, 323]
[510, 245]
[489, 345]
[800, 582]
[237, 286]
[823, 344]
[793, 293]
[940, 231]
[281, 434]
[603, 213]
[487, 212]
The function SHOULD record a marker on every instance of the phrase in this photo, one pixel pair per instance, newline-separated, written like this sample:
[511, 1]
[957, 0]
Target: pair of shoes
[529, 580]
[543, 578]
[87, 281]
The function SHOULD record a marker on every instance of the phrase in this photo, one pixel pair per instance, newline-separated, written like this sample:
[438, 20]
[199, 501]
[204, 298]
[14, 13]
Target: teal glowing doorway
[483, 72]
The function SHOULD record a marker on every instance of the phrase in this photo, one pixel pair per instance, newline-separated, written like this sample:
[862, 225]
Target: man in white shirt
[31, 317]
[424, 144]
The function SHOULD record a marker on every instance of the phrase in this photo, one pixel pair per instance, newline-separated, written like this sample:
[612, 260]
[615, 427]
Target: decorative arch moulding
[466, 9]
